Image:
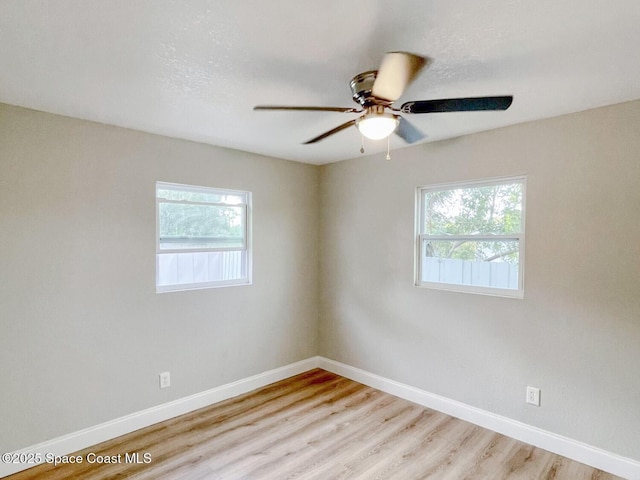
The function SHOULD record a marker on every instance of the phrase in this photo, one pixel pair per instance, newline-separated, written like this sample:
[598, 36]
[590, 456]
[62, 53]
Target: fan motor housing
[361, 86]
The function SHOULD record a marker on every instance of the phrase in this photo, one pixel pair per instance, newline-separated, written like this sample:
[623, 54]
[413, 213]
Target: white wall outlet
[165, 380]
[533, 396]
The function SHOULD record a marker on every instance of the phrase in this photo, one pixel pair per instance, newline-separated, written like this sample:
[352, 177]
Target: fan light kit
[376, 91]
[376, 124]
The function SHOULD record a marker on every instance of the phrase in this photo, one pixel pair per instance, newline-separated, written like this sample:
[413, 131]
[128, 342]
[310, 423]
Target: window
[202, 237]
[470, 237]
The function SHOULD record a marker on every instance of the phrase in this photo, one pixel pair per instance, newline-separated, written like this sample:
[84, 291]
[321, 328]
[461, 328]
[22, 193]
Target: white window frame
[420, 237]
[246, 243]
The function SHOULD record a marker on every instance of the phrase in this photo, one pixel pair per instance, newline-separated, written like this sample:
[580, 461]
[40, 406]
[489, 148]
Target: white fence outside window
[467, 272]
[199, 267]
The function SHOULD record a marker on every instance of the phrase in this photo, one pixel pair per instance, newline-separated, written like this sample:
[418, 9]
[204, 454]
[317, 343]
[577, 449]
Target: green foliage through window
[483, 211]
[193, 218]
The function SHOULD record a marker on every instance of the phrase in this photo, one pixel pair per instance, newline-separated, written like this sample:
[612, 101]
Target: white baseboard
[578, 451]
[87, 437]
[581, 452]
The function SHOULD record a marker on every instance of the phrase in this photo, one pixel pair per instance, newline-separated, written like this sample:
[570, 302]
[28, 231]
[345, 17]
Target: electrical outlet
[165, 380]
[533, 396]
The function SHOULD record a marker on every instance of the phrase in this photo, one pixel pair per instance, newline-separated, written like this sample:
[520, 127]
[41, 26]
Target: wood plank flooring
[318, 426]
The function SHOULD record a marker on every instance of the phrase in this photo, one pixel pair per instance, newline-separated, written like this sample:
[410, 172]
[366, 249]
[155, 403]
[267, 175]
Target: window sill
[490, 291]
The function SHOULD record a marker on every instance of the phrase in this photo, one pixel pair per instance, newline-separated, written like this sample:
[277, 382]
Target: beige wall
[83, 335]
[575, 335]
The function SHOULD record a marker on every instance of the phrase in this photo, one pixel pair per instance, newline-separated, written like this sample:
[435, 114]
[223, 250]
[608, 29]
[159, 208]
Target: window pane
[492, 209]
[200, 226]
[476, 263]
[200, 267]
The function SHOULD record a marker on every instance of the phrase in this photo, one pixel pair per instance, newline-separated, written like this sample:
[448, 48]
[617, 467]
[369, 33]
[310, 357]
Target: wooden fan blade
[408, 132]
[396, 72]
[457, 105]
[314, 109]
[330, 132]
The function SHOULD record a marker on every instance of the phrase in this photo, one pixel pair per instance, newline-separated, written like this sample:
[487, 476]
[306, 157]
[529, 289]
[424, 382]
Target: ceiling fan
[376, 91]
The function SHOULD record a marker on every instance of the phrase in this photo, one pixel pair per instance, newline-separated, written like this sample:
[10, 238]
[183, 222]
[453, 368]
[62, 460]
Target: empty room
[319, 240]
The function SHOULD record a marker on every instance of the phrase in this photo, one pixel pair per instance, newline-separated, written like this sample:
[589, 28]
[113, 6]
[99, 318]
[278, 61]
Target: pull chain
[388, 157]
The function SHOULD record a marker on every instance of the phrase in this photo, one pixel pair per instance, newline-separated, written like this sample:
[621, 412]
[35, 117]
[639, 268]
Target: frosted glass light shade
[377, 126]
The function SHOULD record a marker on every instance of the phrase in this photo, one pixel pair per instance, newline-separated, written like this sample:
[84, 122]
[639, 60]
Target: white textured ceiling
[194, 69]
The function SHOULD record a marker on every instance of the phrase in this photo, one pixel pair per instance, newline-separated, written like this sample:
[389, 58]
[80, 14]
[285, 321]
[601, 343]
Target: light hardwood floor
[319, 426]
